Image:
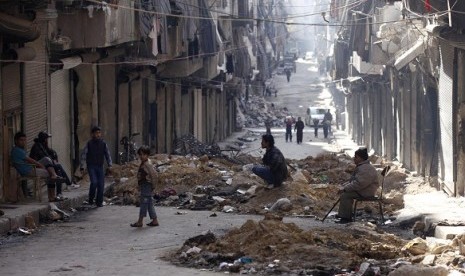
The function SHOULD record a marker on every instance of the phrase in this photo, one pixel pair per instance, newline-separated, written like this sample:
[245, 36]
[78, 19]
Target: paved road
[100, 242]
[305, 89]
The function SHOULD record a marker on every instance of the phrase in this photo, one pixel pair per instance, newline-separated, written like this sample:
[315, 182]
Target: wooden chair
[36, 180]
[376, 198]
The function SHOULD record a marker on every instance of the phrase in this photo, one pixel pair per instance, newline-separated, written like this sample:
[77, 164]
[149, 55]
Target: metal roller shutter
[35, 89]
[11, 87]
[60, 119]
[123, 110]
[107, 105]
[137, 110]
[446, 111]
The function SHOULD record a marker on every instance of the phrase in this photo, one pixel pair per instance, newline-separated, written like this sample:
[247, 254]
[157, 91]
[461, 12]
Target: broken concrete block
[429, 259]
[29, 222]
[281, 204]
[411, 270]
[416, 246]
[448, 232]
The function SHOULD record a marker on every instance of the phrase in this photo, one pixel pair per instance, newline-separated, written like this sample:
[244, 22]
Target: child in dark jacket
[147, 179]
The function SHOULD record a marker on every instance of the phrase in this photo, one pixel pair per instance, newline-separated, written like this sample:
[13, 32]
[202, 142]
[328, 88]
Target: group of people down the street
[362, 183]
[43, 162]
[326, 124]
[299, 126]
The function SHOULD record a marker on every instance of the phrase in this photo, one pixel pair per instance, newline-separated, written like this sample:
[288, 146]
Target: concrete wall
[85, 97]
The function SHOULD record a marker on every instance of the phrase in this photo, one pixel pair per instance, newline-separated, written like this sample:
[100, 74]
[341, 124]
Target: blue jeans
[97, 182]
[146, 204]
[264, 173]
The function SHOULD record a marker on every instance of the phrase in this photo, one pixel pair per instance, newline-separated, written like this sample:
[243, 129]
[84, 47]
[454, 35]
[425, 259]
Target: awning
[15, 29]
[70, 62]
[417, 49]
[354, 79]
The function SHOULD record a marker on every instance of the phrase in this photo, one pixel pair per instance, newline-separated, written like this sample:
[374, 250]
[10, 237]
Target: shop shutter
[137, 110]
[11, 87]
[446, 111]
[60, 118]
[35, 89]
[107, 105]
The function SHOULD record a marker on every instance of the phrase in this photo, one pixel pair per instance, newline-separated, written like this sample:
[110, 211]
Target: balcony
[180, 67]
[365, 67]
[98, 26]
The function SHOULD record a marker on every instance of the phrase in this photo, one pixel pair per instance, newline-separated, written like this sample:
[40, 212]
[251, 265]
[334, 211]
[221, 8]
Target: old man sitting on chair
[363, 183]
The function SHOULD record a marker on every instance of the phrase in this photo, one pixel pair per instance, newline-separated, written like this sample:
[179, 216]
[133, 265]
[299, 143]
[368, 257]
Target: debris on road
[271, 246]
[220, 184]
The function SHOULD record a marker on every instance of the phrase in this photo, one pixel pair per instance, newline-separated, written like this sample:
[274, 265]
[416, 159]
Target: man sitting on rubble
[25, 165]
[362, 183]
[274, 168]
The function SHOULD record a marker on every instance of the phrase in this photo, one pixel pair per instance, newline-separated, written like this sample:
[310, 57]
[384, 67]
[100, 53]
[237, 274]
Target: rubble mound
[188, 144]
[218, 184]
[271, 246]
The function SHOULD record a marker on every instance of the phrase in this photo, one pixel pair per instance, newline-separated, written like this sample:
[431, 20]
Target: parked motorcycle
[129, 152]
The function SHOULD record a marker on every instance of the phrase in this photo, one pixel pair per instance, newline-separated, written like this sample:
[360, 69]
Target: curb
[36, 211]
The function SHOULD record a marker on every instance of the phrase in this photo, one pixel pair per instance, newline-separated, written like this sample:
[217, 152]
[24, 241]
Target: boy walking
[147, 179]
[94, 153]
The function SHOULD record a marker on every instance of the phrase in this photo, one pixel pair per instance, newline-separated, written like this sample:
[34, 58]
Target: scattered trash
[29, 222]
[24, 231]
[228, 209]
[57, 213]
[194, 249]
[188, 144]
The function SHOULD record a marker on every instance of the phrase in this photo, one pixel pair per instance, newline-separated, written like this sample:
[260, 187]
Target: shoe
[135, 224]
[99, 205]
[75, 186]
[271, 186]
[343, 221]
[152, 224]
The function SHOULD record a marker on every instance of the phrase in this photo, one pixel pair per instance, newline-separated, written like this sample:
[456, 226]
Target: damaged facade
[398, 76]
[163, 69]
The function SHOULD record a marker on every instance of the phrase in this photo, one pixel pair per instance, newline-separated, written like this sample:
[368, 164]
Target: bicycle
[129, 152]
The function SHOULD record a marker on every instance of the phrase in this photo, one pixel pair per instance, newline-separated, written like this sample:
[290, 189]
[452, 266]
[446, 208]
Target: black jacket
[39, 151]
[274, 159]
[299, 126]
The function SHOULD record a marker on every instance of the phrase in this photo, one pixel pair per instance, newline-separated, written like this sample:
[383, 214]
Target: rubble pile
[258, 111]
[271, 246]
[217, 184]
[326, 168]
[188, 144]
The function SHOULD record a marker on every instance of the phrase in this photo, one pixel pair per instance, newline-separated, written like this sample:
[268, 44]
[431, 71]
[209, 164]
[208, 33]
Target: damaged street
[237, 137]
[216, 216]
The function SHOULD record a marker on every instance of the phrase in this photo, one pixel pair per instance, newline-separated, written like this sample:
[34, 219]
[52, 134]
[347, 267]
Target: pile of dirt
[220, 184]
[271, 246]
